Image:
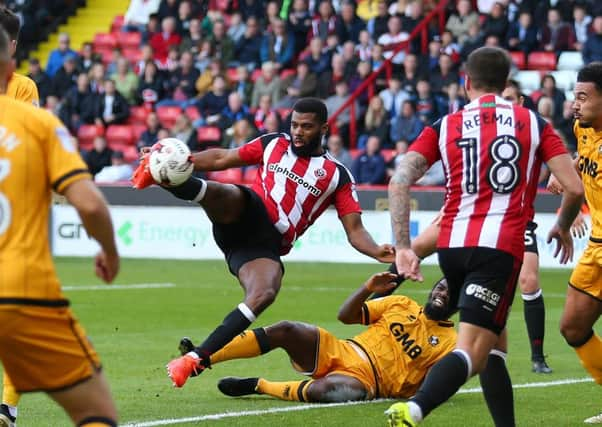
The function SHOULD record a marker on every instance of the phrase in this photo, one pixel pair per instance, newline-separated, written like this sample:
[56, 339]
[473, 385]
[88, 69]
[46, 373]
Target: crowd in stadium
[235, 68]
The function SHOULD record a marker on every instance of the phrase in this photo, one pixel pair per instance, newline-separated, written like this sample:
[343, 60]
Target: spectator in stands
[118, 170]
[99, 156]
[126, 81]
[222, 45]
[318, 60]
[496, 23]
[97, 77]
[184, 131]
[406, 125]
[173, 59]
[41, 79]
[394, 96]
[565, 126]
[325, 23]
[410, 74]
[234, 111]
[243, 84]
[167, 8]
[349, 25]
[361, 74]
[392, 38]
[192, 40]
[212, 103]
[401, 149]
[473, 40]
[378, 25]
[398, 7]
[87, 57]
[152, 27]
[242, 132]
[450, 48]
[548, 89]
[377, 60]
[369, 166]
[338, 151]
[376, 123]
[53, 105]
[272, 12]
[350, 58]
[299, 85]
[426, 104]
[205, 80]
[522, 34]
[460, 22]
[268, 83]
[146, 55]
[183, 18]
[273, 123]
[336, 101]
[515, 95]
[429, 63]
[414, 15]
[278, 45]
[592, 49]
[580, 25]
[64, 78]
[435, 175]
[236, 27]
[77, 104]
[137, 15]
[151, 86]
[248, 49]
[161, 42]
[254, 8]
[452, 101]
[556, 35]
[58, 55]
[328, 80]
[263, 110]
[444, 75]
[151, 133]
[545, 108]
[364, 47]
[110, 107]
[299, 23]
[181, 82]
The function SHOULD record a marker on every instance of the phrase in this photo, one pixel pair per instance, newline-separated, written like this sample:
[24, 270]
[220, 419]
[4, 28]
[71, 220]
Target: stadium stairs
[96, 16]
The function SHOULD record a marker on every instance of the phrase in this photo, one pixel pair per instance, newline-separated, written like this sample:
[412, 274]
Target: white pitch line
[399, 292]
[119, 287]
[308, 406]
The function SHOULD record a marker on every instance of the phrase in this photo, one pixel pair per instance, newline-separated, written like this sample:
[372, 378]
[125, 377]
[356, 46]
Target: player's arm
[217, 159]
[362, 241]
[553, 185]
[94, 213]
[352, 310]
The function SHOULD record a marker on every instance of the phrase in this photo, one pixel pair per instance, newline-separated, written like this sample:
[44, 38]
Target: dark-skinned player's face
[307, 133]
[437, 306]
[587, 106]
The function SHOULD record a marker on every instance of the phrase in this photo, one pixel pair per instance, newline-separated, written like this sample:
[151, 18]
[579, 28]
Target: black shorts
[251, 237]
[531, 238]
[481, 282]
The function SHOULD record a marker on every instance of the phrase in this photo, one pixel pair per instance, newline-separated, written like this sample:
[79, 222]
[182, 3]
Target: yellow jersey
[22, 88]
[36, 156]
[589, 148]
[402, 343]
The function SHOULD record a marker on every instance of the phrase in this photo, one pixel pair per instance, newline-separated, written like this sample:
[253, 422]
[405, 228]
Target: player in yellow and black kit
[42, 345]
[389, 359]
[24, 89]
[584, 295]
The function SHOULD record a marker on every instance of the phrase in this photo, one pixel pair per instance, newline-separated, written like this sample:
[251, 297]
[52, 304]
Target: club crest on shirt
[320, 173]
[433, 340]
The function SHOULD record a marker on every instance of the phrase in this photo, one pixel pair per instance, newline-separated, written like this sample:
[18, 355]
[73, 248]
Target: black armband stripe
[56, 185]
[262, 340]
[300, 390]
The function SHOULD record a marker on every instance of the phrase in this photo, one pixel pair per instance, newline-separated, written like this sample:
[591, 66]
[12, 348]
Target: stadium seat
[284, 112]
[255, 75]
[387, 154]
[233, 175]
[130, 153]
[117, 24]
[519, 59]
[132, 54]
[120, 134]
[104, 41]
[569, 60]
[209, 135]
[193, 113]
[528, 80]
[355, 153]
[232, 74]
[86, 135]
[138, 114]
[168, 115]
[106, 55]
[565, 79]
[542, 61]
[129, 40]
[287, 72]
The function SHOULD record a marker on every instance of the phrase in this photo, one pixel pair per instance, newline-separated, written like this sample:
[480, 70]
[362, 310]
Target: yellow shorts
[587, 275]
[44, 349]
[336, 356]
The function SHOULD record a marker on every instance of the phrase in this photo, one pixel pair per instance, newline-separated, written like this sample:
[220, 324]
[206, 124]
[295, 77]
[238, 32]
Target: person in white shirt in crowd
[118, 171]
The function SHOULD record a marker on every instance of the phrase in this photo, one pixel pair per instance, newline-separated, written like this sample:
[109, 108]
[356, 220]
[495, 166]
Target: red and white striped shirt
[492, 153]
[296, 190]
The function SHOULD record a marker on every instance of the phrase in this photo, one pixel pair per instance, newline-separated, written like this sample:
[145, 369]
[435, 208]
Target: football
[169, 162]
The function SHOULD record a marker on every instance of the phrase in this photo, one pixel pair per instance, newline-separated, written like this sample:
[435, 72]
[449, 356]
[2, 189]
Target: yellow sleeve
[374, 309]
[65, 165]
[30, 93]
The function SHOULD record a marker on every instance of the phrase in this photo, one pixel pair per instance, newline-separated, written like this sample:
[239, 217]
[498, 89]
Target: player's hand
[564, 244]
[381, 283]
[554, 186]
[107, 266]
[579, 227]
[408, 264]
[386, 253]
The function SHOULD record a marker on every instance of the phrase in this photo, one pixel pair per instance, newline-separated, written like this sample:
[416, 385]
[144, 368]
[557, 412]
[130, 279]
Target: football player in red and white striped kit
[492, 153]
[296, 181]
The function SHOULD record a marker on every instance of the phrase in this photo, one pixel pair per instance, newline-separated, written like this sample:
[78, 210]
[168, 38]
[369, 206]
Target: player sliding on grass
[389, 359]
[296, 181]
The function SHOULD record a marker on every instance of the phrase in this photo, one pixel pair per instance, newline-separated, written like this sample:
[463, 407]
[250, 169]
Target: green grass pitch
[136, 332]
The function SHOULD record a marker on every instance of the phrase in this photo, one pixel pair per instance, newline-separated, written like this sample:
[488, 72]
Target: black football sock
[443, 381]
[400, 279]
[497, 389]
[234, 323]
[193, 189]
[535, 318]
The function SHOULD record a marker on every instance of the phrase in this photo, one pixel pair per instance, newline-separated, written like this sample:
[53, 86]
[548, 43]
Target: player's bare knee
[281, 330]
[260, 299]
[574, 335]
[529, 282]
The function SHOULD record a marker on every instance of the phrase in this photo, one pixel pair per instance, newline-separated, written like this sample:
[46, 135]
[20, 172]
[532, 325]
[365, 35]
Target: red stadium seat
[138, 115]
[542, 61]
[106, 54]
[129, 40]
[120, 134]
[232, 74]
[130, 153]
[233, 175]
[519, 59]
[86, 135]
[209, 134]
[193, 113]
[168, 115]
[104, 41]
[137, 130]
[287, 72]
[132, 54]
[255, 75]
[117, 24]
[284, 112]
[387, 154]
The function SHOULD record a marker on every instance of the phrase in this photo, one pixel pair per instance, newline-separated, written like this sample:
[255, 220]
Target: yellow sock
[10, 396]
[286, 390]
[242, 346]
[590, 355]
